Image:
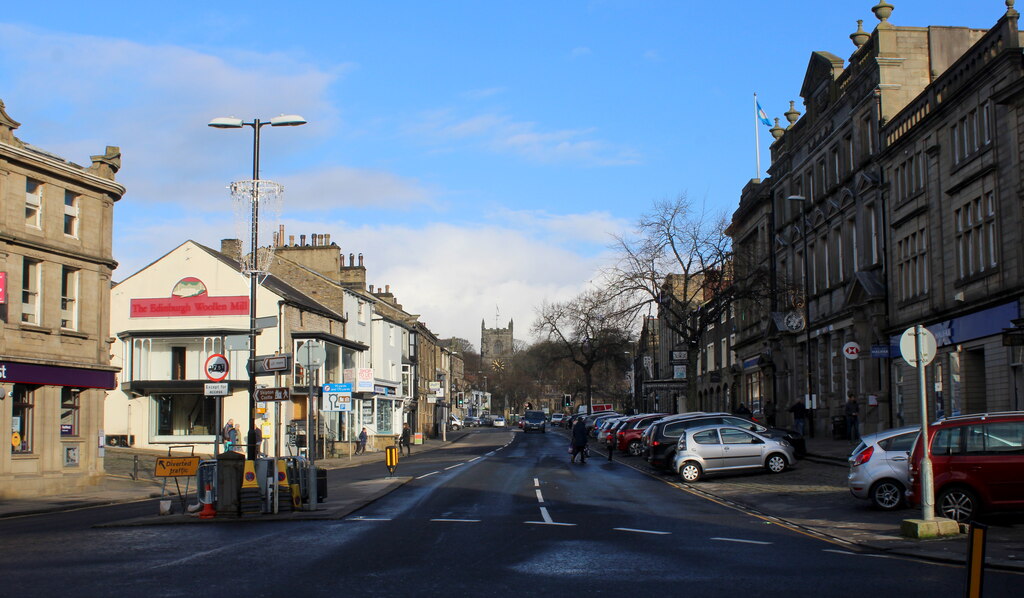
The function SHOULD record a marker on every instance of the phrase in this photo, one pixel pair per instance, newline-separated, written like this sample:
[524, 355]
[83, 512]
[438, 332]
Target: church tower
[495, 346]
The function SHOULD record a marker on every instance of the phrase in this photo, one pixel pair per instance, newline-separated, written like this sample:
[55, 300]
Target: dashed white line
[427, 474]
[742, 541]
[848, 553]
[490, 453]
[540, 497]
[536, 483]
[369, 519]
[547, 519]
[473, 459]
[457, 520]
[454, 466]
[641, 531]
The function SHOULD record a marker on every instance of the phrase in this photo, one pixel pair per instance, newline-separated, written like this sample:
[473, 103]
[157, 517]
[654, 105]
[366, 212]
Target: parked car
[498, 422]
[455, 423]
[977, 464]
[471, 421]
[604, 425]
[880, 467]
[718, 448]
[658, 441]
[535, 421]
[593, 419]
[627, 435]
[556, 419]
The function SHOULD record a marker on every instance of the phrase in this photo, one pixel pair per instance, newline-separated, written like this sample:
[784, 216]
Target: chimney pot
[291, 240]
[371, 288]
[302, 240]
[360, 260]
[327, 239]
[387, 288]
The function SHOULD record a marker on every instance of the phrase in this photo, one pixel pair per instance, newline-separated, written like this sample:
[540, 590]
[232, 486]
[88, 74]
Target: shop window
[185, 415]
[23, 401]
[70, 405]
[385, 416]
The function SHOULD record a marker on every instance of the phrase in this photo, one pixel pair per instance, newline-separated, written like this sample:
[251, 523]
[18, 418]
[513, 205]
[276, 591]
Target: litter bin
[839, 428]
[230, 466]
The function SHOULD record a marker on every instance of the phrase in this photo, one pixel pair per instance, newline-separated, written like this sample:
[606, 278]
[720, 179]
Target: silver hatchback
[879, 467]
[718, 448]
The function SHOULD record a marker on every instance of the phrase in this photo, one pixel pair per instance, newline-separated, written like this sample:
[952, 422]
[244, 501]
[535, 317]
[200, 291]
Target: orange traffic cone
[208, 511]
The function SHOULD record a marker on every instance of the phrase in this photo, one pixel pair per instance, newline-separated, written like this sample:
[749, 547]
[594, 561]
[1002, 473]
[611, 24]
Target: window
[69, 408]
[725, 352]
[711, 356]
[852, 226]
[873, 234]
[911, 266]
[975, 236]
[837, 170]
[731, 436]
[70, 214]
[178, 363]
[837, 241]
[706, 437]
[69, 298]
[33, 203]
[21, 422]
[185, 415]
[954, 141]
[362, 312]
[947, 442]
[30, 291]
[986, 122]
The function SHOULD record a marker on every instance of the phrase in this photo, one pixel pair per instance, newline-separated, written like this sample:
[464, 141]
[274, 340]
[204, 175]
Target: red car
[627, 435]
[977, 465]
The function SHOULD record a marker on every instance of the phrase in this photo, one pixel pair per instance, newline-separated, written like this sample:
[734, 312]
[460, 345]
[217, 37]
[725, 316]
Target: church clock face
[497, 365]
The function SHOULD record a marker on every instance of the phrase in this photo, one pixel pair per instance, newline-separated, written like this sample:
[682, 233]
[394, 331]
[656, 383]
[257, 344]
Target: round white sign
[312, 354]
[851, 350]
[928, 346]
[216, 367]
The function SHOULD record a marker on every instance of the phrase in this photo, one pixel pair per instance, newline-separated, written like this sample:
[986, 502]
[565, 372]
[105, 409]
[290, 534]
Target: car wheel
[634, 448]
[776, 463]
[958, 504]
[690, 472]
[887, 494]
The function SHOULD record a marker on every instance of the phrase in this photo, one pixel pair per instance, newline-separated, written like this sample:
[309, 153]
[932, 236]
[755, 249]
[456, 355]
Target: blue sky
[480, 154]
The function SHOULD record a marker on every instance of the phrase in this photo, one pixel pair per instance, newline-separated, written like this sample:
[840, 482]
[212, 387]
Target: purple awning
[48, 375]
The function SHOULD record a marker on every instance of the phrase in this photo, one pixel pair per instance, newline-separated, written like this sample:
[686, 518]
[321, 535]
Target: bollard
[391, 459]
[975, 560]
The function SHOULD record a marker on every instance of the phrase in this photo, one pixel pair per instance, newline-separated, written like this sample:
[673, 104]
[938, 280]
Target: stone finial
[860, 37]
[777, 131]
[107, 164]
[882, 10]
[1010, 12]
[7, 127]
[792, 115]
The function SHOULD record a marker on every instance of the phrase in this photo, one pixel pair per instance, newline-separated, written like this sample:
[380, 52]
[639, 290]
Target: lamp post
[807, 303]
[290, 120]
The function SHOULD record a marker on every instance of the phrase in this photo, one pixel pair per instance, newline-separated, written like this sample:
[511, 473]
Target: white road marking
[490, 453]
[551, 523]
[368, 519]
[536, 483]
[848, 553]
[473, 459]
[742, 541]
[641, 531]
[540, 497]
[427, 474]
[458, 520]
[454, 466]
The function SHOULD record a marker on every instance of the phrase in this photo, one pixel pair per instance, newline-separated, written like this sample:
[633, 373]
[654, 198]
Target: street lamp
[284, 120]
[807, 302]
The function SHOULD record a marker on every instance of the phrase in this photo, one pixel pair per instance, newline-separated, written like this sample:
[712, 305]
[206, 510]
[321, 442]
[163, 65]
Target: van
[977, 464]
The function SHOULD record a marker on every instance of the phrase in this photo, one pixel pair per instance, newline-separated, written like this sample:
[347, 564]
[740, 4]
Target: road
[499, 512]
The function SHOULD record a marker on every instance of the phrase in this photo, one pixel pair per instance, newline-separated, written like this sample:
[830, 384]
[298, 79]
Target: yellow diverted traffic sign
[171, 467]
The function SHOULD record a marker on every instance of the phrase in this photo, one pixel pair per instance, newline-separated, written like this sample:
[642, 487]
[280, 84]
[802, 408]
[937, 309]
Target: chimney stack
[291, 240]
[231, 248]
[280, 235]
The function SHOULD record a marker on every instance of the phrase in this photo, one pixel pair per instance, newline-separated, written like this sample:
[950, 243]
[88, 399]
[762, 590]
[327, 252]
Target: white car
[499, 422]
[880, 467]
[556, 419]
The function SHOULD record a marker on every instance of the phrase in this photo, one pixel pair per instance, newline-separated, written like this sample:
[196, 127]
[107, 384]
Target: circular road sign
[851, 350]
[312, 354]
[928, 346]
[216, 367]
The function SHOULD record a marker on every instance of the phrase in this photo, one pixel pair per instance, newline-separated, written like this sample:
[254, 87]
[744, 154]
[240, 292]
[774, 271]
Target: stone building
[496, 346]
[56, 262]
[889, 203]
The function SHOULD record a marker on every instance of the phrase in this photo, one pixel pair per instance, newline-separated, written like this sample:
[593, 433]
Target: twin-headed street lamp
[255, 186]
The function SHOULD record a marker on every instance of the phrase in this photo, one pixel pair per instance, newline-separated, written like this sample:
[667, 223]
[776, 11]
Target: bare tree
[589, 329]
[679, 263]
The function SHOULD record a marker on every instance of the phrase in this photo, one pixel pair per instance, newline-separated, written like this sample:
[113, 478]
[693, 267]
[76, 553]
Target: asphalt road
[499, 512]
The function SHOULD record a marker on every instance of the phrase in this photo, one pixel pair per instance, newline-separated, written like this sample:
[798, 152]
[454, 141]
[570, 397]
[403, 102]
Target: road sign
[273, 394]
[851, 350]
[216, 367]
[172, 467]
[276, 363]
[215, 389]
[928, 346]
[311, 354]
[335, 401]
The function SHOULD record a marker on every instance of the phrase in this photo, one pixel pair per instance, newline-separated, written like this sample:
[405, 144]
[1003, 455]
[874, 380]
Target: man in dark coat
[406, 441]
[579, 440]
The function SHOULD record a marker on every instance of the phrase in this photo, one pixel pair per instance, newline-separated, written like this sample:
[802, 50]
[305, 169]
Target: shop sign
[189, 298]
[851, 350]
[49, 375]
[364, 380]
[3, 287]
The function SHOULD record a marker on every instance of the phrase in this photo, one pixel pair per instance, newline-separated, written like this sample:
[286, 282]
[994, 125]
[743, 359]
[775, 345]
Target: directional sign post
[336, 397]
[273, 394]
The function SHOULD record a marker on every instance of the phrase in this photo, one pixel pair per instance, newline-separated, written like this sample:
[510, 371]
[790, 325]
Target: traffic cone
[208, 511]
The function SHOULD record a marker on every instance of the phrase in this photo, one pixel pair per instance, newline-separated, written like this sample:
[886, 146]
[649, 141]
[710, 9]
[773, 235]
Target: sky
[481, 155]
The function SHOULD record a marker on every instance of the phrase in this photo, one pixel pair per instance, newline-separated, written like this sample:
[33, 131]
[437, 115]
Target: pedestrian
[769, 413]
[799, 412]
[361, 446]
[579, 441]
[234, 434]
[406, 440]
[742, 411]
[225, 434]
[852, 412]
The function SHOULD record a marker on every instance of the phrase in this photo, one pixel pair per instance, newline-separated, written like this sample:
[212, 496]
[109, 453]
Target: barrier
[250, 503]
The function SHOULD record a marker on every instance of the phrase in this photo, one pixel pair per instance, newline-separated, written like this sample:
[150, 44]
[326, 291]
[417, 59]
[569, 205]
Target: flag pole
[757, 139]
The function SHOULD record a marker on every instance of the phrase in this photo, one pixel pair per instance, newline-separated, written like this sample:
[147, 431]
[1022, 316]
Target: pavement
[811, 498]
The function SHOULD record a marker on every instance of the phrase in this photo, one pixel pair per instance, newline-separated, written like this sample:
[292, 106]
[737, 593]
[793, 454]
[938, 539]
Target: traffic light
[529, 405]
[568, 400]
[460, 399]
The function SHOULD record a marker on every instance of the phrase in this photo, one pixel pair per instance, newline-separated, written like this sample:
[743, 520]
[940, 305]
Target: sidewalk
[118, 486]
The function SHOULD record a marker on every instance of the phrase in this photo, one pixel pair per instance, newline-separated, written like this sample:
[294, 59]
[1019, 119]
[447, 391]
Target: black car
[534, 421]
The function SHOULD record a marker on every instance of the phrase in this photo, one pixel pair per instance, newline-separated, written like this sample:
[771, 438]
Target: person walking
[579, 441]
[361, 447]
[852, 412]
[405, 444]
[769, 413]
[799, 412]
[225, 434]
